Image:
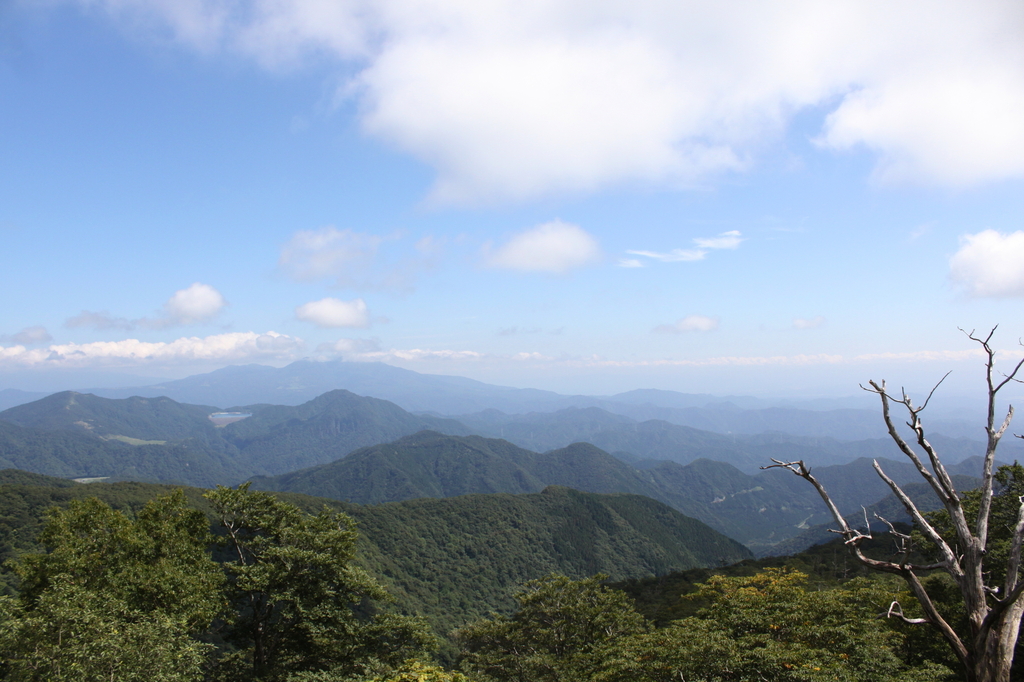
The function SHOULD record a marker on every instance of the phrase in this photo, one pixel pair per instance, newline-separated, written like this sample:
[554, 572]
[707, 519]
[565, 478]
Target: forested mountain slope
[157, 439]
[452, 560]
[854, 418]
[758, 510]
[660, 439]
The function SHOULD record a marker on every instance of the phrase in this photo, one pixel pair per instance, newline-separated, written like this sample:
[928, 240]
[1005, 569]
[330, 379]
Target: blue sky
[773, 199]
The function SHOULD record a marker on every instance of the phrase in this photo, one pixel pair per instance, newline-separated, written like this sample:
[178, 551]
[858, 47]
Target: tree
[769, 627]
[302, 605]
[114, 597]
[993, 611]
[553, 636]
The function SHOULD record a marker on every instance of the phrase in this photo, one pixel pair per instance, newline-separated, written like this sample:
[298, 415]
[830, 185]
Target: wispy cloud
[726, 240]
[673, 256]
[29, 336]
[346, 347]
[369, 351]
[229, 347]
[359, 260]
[329, 253]
[195, 304]
[555, 247]
[100, 321]
[690, 323]
[809, 323]
[511, 103]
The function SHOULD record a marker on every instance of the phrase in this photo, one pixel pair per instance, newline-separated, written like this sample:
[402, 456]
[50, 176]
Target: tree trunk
[993, 662]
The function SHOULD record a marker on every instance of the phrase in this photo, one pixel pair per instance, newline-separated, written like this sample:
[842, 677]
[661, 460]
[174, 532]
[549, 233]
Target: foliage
[454, 560]
[114, 597]
[1002, 518]
[410, 671]
[554, 634]
[74, 635]
[768, 627]
[302, 605]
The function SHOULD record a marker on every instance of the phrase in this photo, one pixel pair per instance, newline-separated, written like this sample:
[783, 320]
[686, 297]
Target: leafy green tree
[114, 597]
[410, 671]
[553, 635]
[767, 627]
[302, 605]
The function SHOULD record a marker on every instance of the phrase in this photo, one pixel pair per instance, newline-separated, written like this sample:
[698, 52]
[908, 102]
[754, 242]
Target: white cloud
[198, 303]
[990, 263]
[629, 263]
[349, 346]
[193, 305]
[328, 253]
[99, 321]
[555, 247]
[673, 256]
[726, 240]
[357, 260]
[511, 101]
[333, 313]
[690, 323]
[811, 323]
[230, 347]
[29, 336]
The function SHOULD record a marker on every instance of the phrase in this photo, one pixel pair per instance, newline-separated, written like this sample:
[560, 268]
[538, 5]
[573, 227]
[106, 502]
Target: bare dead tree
[993, 611]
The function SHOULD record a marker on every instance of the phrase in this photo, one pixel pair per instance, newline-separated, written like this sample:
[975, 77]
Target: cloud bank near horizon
[511, 102]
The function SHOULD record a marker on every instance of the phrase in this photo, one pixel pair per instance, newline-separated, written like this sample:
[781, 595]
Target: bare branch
[943, 494]
[895, 609]
[949, 558]
[902, 539]
[852, 536]
[994, 434]
[936, 619]
[932, 392]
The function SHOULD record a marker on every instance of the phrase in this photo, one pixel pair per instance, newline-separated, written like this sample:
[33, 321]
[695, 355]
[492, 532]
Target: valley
[367, 450]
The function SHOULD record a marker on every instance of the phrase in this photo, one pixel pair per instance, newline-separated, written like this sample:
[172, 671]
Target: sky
[778, 199]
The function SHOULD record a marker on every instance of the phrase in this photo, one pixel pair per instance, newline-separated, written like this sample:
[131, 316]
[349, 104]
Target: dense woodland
[146, 587]
[370, 543]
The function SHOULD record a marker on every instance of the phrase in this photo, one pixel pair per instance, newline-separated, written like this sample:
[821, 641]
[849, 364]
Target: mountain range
[451, 560]
[852, 418]
[368, 450]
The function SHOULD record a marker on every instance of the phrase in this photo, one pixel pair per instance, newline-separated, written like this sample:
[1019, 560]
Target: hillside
[71, 454]
[158, 439]
[456, 559]
[759, 510]
[854, 418]
[279, 438]
[430, 464]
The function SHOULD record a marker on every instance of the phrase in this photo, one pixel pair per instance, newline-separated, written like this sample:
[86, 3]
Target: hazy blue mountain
[889, 508]
[661, 440]
[430, 464]
[72, 454]
[280, 438]
[273, 440]
[9, 397]
[150, 419]
[759, 510]
[852, 418]
[303, 380]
